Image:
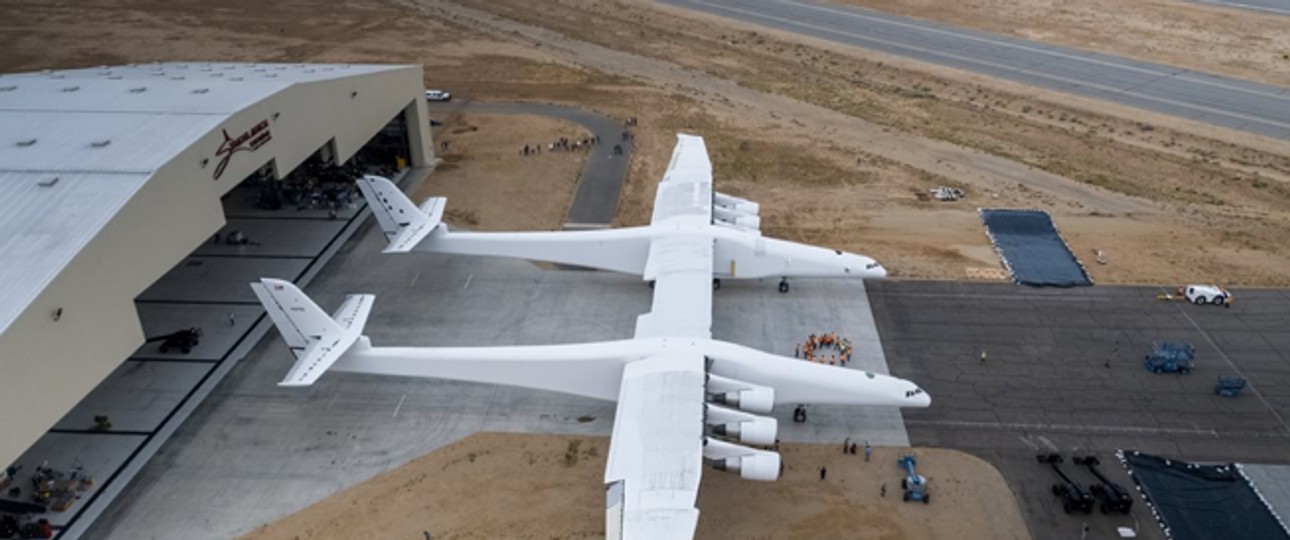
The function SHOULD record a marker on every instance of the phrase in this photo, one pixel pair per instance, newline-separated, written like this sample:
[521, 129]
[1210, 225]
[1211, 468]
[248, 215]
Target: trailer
[1113, 495]
[1074, 496]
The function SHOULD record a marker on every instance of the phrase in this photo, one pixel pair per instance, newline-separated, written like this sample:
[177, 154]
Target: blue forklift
[1171, 357]
[913, 484]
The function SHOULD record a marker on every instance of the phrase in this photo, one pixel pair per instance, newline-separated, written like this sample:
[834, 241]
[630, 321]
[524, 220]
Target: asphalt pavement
[595, 200]
[1064, 372]
[1276, 7]
[1257, 108]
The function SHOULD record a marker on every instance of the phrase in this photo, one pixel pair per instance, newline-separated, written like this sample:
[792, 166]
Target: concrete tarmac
[253, 452]
[1224, 101]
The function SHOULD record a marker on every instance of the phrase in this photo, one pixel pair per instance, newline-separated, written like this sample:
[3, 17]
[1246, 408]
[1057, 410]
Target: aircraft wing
[686, 188]
[681, 268]
[656, 454]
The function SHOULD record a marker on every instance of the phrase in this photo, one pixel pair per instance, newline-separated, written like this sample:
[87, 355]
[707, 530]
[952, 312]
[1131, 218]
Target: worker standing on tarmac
[983, 355]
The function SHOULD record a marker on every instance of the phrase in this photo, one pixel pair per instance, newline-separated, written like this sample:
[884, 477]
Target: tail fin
[404, 224]
[316, 340]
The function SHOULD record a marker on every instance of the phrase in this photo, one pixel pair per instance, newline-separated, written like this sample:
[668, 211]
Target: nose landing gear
[783, 285]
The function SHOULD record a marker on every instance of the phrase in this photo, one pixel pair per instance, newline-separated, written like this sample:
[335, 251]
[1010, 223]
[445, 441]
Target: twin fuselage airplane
[684, 399]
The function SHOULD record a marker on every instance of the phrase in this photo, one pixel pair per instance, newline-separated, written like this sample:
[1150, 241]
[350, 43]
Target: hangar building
[110, 176]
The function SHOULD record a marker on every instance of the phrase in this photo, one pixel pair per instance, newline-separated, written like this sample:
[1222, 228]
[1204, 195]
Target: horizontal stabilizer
[316, 340]
[404, 224]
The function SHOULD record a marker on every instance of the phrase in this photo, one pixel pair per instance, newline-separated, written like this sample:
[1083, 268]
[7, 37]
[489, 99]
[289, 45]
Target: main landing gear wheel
[716, 284]
[783, 285]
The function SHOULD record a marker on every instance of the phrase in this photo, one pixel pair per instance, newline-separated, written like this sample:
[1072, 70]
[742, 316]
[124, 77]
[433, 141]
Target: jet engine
[735, 203]
[745, 396]
[741, 426]
[751, 464]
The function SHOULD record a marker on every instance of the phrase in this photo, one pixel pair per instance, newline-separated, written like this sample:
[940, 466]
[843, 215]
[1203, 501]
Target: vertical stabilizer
[404, 224]
[316, 340]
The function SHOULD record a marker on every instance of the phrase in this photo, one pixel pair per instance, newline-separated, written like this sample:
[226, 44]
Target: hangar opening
[139, 201]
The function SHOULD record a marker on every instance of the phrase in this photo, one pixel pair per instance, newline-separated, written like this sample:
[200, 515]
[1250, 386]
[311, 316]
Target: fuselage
[598, 367]
[738, 253]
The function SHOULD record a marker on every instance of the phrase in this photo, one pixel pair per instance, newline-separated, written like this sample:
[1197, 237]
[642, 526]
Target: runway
[1223, 101]
[1277, 7]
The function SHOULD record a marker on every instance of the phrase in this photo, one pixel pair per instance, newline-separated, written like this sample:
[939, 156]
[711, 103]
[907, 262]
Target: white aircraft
[731, 223]
[683, 398]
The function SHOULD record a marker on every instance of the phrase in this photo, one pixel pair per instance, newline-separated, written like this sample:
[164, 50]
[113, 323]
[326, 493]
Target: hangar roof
[76, 145]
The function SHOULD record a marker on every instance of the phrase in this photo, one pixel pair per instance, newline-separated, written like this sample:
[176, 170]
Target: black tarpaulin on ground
[1203, 502]
[1032, 249]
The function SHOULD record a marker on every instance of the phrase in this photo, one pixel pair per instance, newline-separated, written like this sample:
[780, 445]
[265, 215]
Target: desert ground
[835, 142]
[482, 166]
[496, 485]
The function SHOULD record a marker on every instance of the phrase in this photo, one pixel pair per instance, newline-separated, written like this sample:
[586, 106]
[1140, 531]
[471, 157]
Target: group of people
[563, 143]
[839, 349]
[849, 447]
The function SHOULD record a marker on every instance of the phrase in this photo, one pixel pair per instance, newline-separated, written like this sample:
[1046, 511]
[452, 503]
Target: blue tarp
[1203, 502]
[1032, 249]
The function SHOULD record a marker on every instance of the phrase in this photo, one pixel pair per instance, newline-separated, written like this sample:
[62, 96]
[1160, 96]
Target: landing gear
[783, 285]
[716, 284]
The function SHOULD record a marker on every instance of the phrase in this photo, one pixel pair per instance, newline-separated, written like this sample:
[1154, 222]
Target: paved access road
[1247, 106]
[595, 200]
[1278, 7]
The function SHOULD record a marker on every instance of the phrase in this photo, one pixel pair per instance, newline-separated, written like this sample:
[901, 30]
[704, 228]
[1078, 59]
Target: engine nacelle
[735, 203]
[751, 464]
[744, 396]
[735, 218]
[760, 431]
[741, 426]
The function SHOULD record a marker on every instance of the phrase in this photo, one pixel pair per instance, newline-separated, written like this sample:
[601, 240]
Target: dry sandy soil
[493, 485]
[482, 166]
[835, 142]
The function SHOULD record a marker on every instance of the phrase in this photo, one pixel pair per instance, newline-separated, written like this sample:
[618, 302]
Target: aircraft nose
[916, 397]
[873, 269]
